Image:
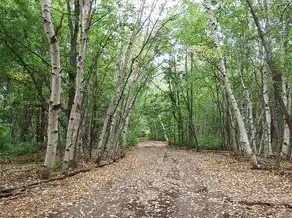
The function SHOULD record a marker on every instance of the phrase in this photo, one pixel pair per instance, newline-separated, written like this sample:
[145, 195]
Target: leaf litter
[156, 181]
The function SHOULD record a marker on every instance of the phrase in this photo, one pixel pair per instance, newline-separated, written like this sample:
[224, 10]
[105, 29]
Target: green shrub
[210, 143]
[4, 136]
[18, 150]
[24, 152]
[132, 139]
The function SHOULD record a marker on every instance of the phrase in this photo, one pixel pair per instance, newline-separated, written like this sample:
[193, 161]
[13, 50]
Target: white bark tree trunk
[114, 136]
[232, 133]
[286, 134]
[249, 114]
[115, 117]
[104, 127]
[285, 87]
[268, 141]
[111, 110]
[123, 129]
[267, 123]
[54, 104]
[276, 74]
[163, 128]
[122, 66]
[244, 141]
[75, 114]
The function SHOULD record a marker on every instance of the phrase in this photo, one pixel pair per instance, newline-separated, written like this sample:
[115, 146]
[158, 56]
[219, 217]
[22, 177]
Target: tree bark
[244, 141]
[286, 88]
[163, 128]
[54, 104]
[276, 74]
[249, 114]
[74, 30]
[122, 65]
[268, 119]
[75, 114]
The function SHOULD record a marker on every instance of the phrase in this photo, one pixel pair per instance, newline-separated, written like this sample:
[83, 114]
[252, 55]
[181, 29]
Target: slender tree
[223, 75]
[54, 104]
[275, 72]
[75, 114]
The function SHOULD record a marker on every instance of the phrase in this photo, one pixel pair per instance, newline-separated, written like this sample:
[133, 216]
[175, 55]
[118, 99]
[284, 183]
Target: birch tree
[73, 25]
[286, 87]
[75, 114]
[267, 121]
[55, 103]
[277, 76]
[128, 68]
[249, 110]
[223, 75]
[122, 65]
[286, 147]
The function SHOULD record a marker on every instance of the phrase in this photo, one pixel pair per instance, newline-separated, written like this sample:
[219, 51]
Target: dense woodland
[83, 80]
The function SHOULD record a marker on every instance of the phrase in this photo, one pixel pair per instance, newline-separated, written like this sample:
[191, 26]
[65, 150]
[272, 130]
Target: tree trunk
[249, 114]
[122, 65]
[179, 122]
[25, 124]
[73, 29]
[123, 125]
[91, 128]
[111, 110]
[286, 88]
[276, 74]
[279, 139]
[267, 123]
[286, 132]
[244, 141]
[54, 104]
[163, 128]
[75, 114]
[233, 141]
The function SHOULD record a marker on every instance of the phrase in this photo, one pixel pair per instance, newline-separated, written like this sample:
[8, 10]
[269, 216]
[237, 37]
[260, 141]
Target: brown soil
[156, 181]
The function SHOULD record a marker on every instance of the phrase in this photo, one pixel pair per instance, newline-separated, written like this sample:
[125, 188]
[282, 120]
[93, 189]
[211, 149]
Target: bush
[4, 136]
[18, 153]
[18, 150]
[210, 143]
[132, 139]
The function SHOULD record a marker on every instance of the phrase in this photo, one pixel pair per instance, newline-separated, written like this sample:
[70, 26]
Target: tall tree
[55, 100]
[232, 100]
[273, 68]
[75, 114]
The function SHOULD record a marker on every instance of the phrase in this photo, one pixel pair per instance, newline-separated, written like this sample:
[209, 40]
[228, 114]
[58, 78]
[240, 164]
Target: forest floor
[155, 181]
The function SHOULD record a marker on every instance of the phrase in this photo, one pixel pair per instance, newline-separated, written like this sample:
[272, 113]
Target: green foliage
[21, 153]
[4, 134]
[193, 26]
[132, 139]
[211, 142]
[25, 68]
[22, 149]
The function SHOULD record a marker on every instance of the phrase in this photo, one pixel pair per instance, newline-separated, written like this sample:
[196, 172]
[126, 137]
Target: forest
[92, 89]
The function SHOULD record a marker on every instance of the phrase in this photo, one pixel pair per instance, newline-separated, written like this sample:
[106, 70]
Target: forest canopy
[85, 79]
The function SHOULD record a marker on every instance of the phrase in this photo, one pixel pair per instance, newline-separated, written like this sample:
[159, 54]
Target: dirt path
[155, 181]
